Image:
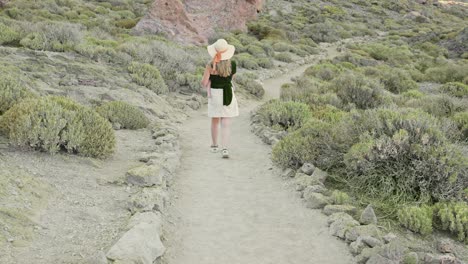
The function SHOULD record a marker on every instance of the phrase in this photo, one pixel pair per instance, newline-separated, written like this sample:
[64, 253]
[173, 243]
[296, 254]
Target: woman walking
[222, 102]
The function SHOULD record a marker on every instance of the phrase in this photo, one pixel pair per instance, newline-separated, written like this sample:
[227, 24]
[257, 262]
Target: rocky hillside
[194, 21]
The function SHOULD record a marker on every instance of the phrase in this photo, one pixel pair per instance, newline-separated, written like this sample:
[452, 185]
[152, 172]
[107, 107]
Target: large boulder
[304, 180]
[194, 21]
[315, 200]
[340, 224]
[363, 230]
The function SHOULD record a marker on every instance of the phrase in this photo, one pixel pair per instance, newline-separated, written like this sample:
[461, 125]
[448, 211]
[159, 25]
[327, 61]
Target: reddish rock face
[193, 21]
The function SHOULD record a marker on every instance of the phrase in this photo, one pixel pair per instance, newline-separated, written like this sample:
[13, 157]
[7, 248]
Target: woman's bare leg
[214, 130]
[225, 131]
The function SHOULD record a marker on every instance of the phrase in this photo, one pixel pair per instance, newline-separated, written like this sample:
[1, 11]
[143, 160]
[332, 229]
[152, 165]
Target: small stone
[377, 259]
[342, 225]
[315, 189]
[307, 168]
[389, 237]
[368, 216]
[315, 200]
[148, 199]
[116, 126]
[394, 250]
[338, 216]
[304, 180]
[366, 253]
[288, 173]
[336, 208]
[444, 246]
[357, 246]
[371, 241]
[320, 175]
[145, 176]
[362, 230]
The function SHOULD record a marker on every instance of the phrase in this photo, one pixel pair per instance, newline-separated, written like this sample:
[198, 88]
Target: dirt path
[239, 210]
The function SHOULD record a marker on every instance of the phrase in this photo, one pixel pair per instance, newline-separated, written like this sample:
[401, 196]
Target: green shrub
[328, 31]
[126, 23]
[449, 72]
[8, 35]
[416, 218]
[324, 71]
[456, 89]
[247, 61]
[266, 63]
[53, 36]
[128, 116]
[358, 90]
[288, 115]
[453, 216]
[281, 47]
[149, 76]
[11, 91]
[437, 105]
[54, 123]
[315, 142]
[395, 55]
[339, 197]
[248, 82]
[256, 50]
[397, 80]
[414, 94]
[461, 120]
[403, 155]
[284, 57]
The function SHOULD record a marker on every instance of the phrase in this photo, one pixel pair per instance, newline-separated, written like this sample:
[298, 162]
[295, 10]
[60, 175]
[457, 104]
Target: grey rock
[444, 246]
[336, 208]
[366, 253]
[341, 226]
[389, 237]
[315, 200]
[362, 230]
[443, 259]
[377, 259]
[140, 245]
[371, 241]
[148, 199]
[153, 218]
[145, 176]
[116, 126]
[357, 246]
[315, 189]
[339, 216]
[288, 173]
[304, 180]
[368, 216]
[320, 175]
[394, 250]
[307, 168]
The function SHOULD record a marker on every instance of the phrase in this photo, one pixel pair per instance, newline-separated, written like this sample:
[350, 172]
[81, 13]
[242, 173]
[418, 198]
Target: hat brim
[225, 55]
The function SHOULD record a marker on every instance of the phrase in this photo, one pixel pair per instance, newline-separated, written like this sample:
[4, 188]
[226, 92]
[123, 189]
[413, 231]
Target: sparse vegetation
[124, 114]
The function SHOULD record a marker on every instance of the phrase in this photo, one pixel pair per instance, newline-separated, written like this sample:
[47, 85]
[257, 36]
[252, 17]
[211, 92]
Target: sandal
[225, 153]
[214, 148]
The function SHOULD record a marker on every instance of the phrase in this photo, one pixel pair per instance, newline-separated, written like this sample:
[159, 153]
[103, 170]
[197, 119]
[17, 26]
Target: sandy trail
[239, 210]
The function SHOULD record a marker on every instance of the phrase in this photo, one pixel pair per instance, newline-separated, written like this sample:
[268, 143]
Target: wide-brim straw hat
[221, 45]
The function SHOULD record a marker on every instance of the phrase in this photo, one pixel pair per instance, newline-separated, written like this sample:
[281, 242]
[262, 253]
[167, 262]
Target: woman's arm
[206, 77]
[205, 82]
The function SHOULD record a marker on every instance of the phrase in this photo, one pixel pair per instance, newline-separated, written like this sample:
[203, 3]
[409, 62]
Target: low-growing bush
[284, 57]
[11, 91]
[248, 82]
[339, 197]
[53, 36]
[437, 105]
[8, 35]
[149, 76]
[416, 218]
[403, 155]
[413, 94]
[453, 217]
[449, 72]
[324, 71]
[288, 115]
[456, 89]
[54, 123]
[353, 88]
[461, 120]
[247, 61]
[397, 80]
[128, 116]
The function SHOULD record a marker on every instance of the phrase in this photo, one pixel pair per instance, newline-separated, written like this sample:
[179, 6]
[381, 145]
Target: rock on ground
[337, 208]
[145, 176]
[368, 216]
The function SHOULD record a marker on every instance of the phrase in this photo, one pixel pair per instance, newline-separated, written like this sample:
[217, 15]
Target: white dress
[216, 107]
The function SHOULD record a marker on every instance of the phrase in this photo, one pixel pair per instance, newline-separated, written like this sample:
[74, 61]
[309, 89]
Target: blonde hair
[223, 68]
